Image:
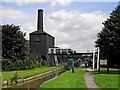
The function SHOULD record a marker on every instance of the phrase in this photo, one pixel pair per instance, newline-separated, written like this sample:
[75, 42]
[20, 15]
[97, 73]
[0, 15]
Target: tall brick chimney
[40, 20]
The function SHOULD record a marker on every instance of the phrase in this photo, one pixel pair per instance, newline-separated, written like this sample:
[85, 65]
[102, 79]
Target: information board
[103, 62]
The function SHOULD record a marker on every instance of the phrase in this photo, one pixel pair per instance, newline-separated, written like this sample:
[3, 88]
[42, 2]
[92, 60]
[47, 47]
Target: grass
[8, 75]
[104, 80]
[67, 80]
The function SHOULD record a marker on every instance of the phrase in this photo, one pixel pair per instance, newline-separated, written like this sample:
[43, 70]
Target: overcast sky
[73, 24]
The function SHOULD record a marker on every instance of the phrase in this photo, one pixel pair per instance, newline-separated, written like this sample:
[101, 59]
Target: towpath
[89, 80]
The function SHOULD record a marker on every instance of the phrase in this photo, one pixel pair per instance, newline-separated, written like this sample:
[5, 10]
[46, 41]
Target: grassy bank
[67, 80]
[8, 75]
[104, 80]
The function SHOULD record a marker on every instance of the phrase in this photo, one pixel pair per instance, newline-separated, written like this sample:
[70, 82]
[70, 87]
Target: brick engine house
[40, 42]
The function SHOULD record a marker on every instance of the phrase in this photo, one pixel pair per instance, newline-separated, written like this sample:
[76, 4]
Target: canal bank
[67, 80]
[34, 81]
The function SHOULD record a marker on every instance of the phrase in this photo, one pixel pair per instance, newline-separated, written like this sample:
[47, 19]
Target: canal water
[35, 83]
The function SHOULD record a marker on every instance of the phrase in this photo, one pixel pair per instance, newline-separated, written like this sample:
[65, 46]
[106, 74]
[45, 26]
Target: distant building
[40, 41]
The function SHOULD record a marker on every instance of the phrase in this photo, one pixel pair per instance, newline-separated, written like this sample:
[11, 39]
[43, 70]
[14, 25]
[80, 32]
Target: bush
[37, 64]
[32, 65]
[7, 65]
[18, 65]
[26, 64]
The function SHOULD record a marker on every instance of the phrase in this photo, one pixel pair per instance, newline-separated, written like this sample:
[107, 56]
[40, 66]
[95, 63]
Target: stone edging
[6, 83]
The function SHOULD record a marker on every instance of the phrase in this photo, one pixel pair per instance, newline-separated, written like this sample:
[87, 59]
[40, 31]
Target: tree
[13, 42]
[109, 38]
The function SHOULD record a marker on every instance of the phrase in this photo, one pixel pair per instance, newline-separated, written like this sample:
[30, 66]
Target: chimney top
[40, 10]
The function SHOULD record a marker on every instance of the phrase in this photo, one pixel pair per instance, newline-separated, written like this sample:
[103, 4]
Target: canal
[35, 82]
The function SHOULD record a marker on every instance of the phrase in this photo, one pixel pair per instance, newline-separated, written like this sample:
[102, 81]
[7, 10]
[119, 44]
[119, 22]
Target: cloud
[55, 3]
[13, 14]
[73, 28]
[51, 6]
[64, 2]
[24, 2]
[28, 27]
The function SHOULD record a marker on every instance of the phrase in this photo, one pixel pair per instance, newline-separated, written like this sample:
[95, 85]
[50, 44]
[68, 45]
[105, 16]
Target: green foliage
[26, 64]
[109, 38]
[32, 65]
[7, 65]
[18, 65]
[43, 62]
[13, 41]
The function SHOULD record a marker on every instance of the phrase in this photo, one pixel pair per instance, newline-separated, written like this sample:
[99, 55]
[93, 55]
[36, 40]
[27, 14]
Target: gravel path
[91, 85]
